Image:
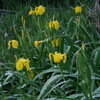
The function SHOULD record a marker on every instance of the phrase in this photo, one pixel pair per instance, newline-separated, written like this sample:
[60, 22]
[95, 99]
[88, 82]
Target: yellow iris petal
[9, 45]
[64, 57]
[57, 42]
[37, 43]
[31, 12]
[50, 56]
[56, 25]
[57, 57]
[15, 44]
[27, 61]
[50, 25]
[19, 65]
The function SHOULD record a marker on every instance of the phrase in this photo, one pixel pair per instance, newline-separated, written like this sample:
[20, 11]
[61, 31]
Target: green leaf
[76, 96]
[44, 72]
[48, 85]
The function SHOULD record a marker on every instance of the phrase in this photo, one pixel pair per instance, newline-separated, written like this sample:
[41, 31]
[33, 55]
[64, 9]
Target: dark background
[12, 4]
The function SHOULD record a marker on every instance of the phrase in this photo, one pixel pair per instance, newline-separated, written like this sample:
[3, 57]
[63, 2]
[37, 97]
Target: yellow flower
[26, 64]
[50, 24]
[21, 63]
[40, 10]
[54, 24]
[58, 57]
[50, 56]
[9, 45]
[31, 12]
[55, 42]
[78, 9]
[37, 43]
[64, 57]
[40, 42]
[13, 43]
[31, 74]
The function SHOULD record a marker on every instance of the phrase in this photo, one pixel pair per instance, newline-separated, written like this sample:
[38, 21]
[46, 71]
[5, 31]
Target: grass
[77, 79]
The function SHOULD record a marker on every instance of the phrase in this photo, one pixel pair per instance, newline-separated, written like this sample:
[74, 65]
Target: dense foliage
[49, 54]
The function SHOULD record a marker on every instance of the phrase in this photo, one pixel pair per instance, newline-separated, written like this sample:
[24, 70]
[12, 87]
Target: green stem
[61, 72]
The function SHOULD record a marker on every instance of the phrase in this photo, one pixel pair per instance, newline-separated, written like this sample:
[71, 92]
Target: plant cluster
[49, 55]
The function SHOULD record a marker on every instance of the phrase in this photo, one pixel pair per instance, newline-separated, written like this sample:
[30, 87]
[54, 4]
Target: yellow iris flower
[54, 24]
[58, 57]
[78, 9]
[37, 43]
[21, 63]
[55, 42]
[38, 10]
[13, 44]
[31, 12]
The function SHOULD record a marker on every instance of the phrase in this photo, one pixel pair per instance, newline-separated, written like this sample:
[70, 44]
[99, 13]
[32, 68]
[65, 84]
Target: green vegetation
[37, 77]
